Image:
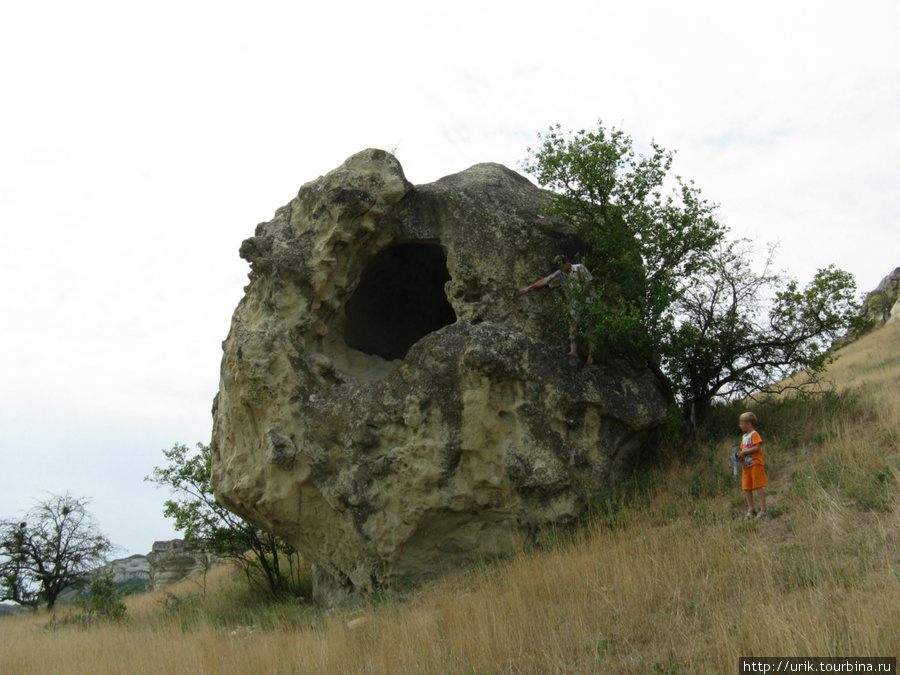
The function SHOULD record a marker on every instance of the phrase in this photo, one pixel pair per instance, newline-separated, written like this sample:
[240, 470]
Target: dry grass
[667, 578]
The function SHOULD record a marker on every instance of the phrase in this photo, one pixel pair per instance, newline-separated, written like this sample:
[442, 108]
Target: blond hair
[748, 417]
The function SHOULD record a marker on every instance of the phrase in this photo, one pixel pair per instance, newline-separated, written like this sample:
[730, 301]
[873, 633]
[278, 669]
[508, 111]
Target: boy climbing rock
[571, 277]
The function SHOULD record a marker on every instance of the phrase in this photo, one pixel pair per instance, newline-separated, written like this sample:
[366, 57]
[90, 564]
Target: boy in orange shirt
[754, 477]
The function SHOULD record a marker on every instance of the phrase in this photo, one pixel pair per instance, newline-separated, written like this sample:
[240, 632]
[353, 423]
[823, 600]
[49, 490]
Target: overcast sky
[142, 142]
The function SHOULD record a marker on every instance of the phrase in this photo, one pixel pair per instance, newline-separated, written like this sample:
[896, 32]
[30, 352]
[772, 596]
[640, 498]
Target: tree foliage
[645, 241]
[55, 546]
[744, 331]
[266, 560]
[674, 291]
[103, 599]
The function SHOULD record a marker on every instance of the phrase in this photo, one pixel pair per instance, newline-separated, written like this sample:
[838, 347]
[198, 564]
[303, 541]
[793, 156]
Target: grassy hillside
[664, 577]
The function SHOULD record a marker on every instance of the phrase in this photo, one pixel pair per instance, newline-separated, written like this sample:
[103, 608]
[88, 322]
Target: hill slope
[665, 577]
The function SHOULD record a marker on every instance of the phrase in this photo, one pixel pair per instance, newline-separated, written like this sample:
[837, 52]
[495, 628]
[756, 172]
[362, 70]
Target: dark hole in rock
[399, 300]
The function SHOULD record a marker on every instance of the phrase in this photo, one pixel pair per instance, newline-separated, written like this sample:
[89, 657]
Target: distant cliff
[133, 572]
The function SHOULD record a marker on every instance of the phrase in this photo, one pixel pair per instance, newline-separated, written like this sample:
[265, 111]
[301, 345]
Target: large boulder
[388, 403]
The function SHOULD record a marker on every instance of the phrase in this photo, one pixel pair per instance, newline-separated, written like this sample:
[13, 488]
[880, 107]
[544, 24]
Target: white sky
[141, 143]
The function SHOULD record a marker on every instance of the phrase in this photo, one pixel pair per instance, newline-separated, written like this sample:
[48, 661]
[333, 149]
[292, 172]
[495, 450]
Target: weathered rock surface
[171, 561]
[135, 568]
[883, 304]
[388, 403]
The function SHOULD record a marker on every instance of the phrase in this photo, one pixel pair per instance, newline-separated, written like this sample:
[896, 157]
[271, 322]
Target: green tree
[55, 546]
[266, 559]
[645, 242]
[743, 331]
[103, 599]
[673, 292]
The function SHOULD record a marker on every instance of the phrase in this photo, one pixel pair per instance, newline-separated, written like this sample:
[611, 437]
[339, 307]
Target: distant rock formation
[882, 305]
[12, 610]
[171, 561]
[388, 404]
[129, 570]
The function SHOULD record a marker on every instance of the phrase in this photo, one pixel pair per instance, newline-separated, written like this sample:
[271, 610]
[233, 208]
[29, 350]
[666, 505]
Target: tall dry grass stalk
[667, 578]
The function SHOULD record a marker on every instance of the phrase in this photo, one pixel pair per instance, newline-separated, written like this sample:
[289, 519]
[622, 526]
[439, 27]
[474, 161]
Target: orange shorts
[754, 478]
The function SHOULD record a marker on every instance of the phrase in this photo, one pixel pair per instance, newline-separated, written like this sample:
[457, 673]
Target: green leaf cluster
[647, 232]
[103, 599]
[709, 316]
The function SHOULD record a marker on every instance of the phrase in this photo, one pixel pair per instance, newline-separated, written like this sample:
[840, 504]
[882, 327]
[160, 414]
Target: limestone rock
[388, 403]
[882, 305]
[171, 561]
[133, 569]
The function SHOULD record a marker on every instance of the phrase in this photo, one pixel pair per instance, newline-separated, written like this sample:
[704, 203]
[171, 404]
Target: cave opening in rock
[399, 300]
